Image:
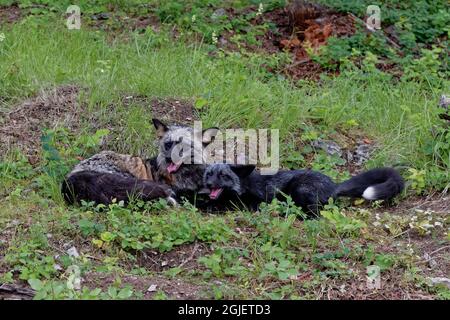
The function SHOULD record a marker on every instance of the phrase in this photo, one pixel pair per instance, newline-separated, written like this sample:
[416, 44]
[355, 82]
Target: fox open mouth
[173, 167]
[215, 193]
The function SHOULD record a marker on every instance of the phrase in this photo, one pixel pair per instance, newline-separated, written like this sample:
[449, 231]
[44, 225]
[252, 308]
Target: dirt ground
[171, 110]
[22, 127]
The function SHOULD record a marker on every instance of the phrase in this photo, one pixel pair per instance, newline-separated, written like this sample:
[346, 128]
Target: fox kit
[102, 187]
[175, 161]
[108, 175]
[308, 189]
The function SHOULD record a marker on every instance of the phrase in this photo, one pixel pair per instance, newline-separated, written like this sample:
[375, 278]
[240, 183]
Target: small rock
[431, 262]
[440, 280]
[73, 252]
[164, 263]
[218, 13]
[362, 154]
[57, 267]
[152, 288]
[330, 147]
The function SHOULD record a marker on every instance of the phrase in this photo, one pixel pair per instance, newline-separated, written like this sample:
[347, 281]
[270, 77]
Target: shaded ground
[15, 292]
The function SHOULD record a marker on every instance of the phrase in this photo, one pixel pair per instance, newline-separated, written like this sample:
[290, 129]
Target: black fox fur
[308, 189]
[102, 188]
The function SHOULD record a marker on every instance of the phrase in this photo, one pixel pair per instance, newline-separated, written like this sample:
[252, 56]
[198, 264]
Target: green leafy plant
[226, 261]
[346, 226]
[417, 180]
[280, 264]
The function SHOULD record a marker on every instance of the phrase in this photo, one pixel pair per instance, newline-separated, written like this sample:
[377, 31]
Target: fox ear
[243, 171]
[208, 135]
[160, 127]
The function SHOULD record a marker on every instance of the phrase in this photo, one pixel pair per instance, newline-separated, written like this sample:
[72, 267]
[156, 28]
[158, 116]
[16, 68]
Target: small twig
[437, 250]
[191, 256]
[58, 249]
[296, 64]
[402, 233]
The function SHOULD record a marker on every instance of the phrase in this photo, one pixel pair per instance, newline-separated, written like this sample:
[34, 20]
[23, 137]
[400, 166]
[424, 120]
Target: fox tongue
[173, 167]
[215, 193]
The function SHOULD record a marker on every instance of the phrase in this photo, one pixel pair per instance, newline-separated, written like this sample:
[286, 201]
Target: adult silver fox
[175, 162]
[308, 189]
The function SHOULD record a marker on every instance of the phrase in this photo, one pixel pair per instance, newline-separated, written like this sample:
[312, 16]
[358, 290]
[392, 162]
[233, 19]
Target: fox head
[176, 144]
[220, 177]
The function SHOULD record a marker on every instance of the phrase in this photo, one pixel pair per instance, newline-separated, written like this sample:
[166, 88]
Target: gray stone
[330, 147]
[362, 154]
[440, 281]
[218, 13]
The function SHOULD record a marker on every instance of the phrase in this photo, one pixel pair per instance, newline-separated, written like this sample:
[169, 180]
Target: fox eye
[168, 145]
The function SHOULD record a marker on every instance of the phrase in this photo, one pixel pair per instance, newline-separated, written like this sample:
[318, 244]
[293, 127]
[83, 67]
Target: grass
[36, 59]
[271, 254]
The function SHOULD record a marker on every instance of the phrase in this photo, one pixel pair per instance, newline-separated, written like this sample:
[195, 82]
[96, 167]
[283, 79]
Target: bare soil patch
[10, 14]
[392, 288]
[171, 110]
[174, 111]
[302, 27]
[15, 292]
[117, 23]
[297, 28]
[183, 256]
[436, 202]
[148, 285]
[22, 126]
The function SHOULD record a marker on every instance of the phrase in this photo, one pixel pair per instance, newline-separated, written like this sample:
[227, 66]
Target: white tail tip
[370, 194]
[172, 201]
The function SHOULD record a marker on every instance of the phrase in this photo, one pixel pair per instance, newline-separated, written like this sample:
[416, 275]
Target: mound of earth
[22, 127]
[169, 110]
